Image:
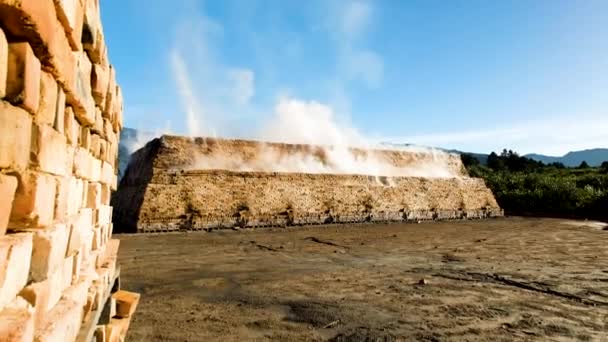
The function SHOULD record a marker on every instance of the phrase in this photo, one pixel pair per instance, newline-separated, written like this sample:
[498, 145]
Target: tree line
[524, 186]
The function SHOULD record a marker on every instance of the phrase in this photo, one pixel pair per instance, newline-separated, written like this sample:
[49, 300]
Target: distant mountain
[593, 157]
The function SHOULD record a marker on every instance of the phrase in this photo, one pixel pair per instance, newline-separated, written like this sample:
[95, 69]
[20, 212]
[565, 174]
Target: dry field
[494, 280]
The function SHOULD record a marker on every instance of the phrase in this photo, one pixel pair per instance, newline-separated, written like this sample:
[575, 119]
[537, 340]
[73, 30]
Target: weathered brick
[62, 198]
[74, 198]
[8, 185]
[3, 63]
[23, 77]
[82, 165]
[71, 127]
[60, 112]
[71, 16]
[74, 242]
[36, 21]
[104, 215]
[79, 291]
[82, 85]
[96, 169]
[48, 100]
[17, 322]
[99, 81]
[49, 250]
[98, 126]
[62, 324]
[110, 95]
[85, 137]
[106, 194]
[118, 104]
[95, 145]
[38, 295]
[34, 203]
[49, 150]
[107, 173]
[94, 195]
[15, 256]
[15, 137]
[92, 36]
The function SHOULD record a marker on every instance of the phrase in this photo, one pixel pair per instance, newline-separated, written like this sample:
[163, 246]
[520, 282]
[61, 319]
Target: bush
[522, 187]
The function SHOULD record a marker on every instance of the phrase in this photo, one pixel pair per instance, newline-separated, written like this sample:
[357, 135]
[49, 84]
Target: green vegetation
[523, 186]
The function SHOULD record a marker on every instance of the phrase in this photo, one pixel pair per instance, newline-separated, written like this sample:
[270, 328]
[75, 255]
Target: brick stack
[60, 118]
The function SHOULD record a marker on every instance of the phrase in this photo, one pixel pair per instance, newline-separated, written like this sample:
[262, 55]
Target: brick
[108, 130]
[15, 137]
[48, 100]
[104, 215]
[38, 295]
[98, 126]
[106, 194]
[99, 83]
[117, 116]
[85, 193]
[8, 186]
[74, 241]
[126, 302]
[71, 127]
[71, 16]
[4, 63]
[34, 203]
[92, 36]
[67, 272]
[49, 250]
[23, 77]
[82, 85]
[96, 168]
[44, 295]
[78, 292]
[81, 163]
[77, 264]
[114, 185]
[17, 322]
[15, 256]
[36, 21]
[61, 199]
[107, 173]
[63, 322]
[110, 95]
[74, 198]
[95, 145]
[94, 195]
[49, 150]
[85, 137]
[60, 112]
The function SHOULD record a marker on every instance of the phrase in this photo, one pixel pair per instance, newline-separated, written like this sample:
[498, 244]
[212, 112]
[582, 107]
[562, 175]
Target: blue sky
[474, 75]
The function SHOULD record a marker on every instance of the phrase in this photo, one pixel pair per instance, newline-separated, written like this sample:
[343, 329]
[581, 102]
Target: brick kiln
[60, 116]
[177, 183]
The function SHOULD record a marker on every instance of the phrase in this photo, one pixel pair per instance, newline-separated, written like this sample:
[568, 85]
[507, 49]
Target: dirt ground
[493, 280]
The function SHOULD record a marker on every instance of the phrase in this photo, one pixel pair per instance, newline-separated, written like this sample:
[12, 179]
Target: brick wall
[60, 118]
[159, 192]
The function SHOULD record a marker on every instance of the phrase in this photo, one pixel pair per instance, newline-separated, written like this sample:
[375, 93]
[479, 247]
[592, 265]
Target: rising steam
[295, 121]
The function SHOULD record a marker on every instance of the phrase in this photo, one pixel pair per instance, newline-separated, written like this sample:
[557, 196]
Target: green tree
[583, 165]
[469, 160]
[604, 167]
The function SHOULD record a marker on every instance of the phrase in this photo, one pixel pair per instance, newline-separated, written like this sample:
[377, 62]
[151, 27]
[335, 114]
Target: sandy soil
[494, 280]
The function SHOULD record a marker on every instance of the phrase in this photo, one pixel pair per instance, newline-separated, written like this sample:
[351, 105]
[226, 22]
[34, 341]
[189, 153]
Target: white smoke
[226, 91]
[312, 123]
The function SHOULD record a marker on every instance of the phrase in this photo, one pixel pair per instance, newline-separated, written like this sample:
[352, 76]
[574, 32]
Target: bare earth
[494, 280]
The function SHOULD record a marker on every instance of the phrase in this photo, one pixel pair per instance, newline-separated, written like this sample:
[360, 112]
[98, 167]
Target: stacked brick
[60, 118]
